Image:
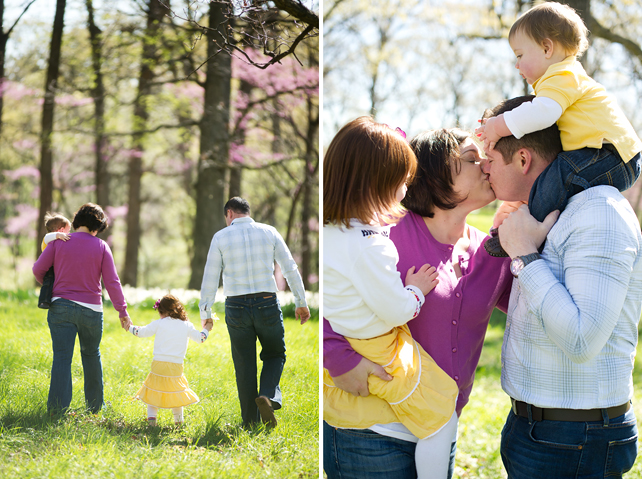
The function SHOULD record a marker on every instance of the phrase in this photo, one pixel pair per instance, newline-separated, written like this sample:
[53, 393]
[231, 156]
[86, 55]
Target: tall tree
[156, 10]
[4, 37]
[46, 152]
[98, 94]
[214, 141]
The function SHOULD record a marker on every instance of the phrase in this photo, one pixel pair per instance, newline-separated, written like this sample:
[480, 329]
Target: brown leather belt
[573, 415]
[253, 296]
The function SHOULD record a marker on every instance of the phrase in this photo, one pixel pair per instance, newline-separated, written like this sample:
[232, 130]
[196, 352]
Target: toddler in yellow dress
[165, 386]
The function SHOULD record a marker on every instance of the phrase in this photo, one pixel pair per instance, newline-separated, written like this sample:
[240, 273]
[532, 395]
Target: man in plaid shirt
[245, 253]
[572, 326]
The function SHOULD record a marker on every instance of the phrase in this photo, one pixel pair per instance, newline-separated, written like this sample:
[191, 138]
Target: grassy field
[117, 442]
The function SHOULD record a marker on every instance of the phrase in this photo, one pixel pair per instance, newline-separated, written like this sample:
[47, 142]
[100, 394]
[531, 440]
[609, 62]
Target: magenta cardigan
[79, 265]
[452, 323]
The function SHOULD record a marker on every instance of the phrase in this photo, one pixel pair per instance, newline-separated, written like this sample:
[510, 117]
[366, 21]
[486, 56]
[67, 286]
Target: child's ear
[549, 47]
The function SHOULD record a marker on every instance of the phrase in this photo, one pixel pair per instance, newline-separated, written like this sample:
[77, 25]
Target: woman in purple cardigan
[76, 307]
[451, 326]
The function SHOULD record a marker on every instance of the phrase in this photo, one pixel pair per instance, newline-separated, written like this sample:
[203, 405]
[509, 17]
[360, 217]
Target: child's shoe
[151, 421]
[493, 247]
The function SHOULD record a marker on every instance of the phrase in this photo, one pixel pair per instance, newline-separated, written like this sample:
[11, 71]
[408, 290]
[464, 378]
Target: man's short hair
[546, 143]
[237, 205]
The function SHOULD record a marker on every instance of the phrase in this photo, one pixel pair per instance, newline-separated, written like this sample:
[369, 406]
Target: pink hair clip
[401, 132]
[157, 304]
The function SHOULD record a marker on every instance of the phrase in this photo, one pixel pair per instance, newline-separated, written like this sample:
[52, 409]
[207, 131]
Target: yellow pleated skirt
[166, 387]
[421, 395]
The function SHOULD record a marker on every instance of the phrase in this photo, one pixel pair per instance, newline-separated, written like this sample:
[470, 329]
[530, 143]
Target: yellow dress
[166, 387]
[421, 395]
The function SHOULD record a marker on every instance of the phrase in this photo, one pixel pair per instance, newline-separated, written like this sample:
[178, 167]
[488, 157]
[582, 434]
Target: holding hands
[125, 322]
[425, 279]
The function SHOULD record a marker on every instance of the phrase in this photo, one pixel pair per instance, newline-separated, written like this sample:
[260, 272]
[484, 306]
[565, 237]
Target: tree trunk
[46, 154]
[98, 93]
[214, 142]
[236, 174]
[3, 50]
[149, 59]
[311, 154]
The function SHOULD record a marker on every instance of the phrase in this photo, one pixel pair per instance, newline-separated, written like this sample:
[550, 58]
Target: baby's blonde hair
[557, 22]
[55, 221]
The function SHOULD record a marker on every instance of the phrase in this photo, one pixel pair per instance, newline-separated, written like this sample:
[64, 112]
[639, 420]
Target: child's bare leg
[178, 415]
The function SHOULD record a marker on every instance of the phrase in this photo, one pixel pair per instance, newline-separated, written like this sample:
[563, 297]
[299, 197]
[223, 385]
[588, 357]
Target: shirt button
[457, 294]
[456, 378]
[454, 350]
[454, 322]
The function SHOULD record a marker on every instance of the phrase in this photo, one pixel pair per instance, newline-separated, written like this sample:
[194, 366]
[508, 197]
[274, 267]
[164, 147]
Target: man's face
[506, 180]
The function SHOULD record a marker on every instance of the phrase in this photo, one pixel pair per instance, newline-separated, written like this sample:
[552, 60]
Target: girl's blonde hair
[363, 168]
[557, 22]
[169, 305]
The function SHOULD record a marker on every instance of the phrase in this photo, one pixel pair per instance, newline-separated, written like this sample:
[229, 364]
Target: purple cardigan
[78, 266]
[452, 323]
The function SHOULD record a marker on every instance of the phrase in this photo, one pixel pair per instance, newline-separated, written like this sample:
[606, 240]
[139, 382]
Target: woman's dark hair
[170, 305]
[437, 152]
[92, 216]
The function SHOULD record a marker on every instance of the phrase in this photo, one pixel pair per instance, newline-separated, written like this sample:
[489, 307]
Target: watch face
[516, 265]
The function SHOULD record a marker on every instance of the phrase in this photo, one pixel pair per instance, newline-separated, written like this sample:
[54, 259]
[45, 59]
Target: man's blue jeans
[66, 319]
[248, 319]
[562, 450]
[577, 170]
[362, 453]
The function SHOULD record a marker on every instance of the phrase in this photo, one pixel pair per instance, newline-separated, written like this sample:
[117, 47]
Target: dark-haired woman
[451, 326]
[76, 307]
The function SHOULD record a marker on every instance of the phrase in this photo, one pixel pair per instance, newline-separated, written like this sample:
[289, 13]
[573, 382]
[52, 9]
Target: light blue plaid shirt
[245, 252]
[571, 332]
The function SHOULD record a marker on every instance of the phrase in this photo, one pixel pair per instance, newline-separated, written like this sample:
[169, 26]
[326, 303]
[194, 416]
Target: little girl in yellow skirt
[166, 386]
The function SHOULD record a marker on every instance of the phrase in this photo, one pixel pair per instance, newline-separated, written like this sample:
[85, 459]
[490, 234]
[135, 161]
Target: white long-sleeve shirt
[571, 332]
[172, 335]
[363, 295]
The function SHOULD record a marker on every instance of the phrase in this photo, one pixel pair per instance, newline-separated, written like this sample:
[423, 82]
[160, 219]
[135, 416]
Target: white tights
[432, 456]
[152, 411]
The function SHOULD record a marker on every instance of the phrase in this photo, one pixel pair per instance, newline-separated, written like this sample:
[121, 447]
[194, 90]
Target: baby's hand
[492, 130]
[62, 236]
[425, 279]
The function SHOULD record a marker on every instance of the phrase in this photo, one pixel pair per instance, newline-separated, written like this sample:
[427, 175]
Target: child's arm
[144, 331]
[54, 235]
[198, 336]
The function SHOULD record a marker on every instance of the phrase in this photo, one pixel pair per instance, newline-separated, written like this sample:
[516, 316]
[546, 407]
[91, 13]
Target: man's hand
[355, 381]
[302, 313]
[125, 323]
[208, 324]
[521, 234]
[505, 209]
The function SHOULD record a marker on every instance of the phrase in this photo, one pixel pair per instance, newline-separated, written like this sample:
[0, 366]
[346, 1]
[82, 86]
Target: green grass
[117, 442]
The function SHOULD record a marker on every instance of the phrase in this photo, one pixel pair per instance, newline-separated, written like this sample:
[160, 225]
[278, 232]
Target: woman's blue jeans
[66, 320]
[362, 453]
[562, 450]
[247, 320]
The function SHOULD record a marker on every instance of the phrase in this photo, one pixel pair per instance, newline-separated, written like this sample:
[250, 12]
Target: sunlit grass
[117, 442]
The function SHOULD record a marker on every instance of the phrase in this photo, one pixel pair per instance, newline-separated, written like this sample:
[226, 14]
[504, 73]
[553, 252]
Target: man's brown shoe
[266, 411]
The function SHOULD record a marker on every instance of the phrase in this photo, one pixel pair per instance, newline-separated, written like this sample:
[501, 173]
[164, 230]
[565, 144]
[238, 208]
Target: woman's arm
[349, 370]
[112, 282]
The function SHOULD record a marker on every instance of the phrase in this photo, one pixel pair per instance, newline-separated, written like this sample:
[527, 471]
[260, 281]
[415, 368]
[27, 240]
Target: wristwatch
[519, 262]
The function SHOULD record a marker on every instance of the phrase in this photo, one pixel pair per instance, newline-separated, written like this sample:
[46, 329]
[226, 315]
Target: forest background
[159, 111]
[429, 64]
